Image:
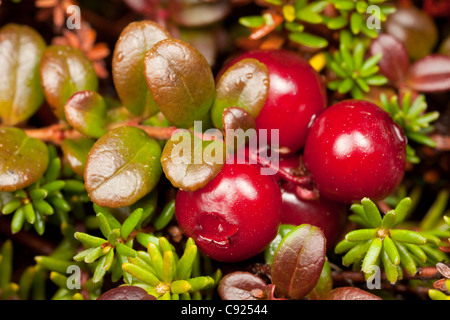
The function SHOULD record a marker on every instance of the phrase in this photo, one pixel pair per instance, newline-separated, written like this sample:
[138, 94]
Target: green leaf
[391, 250]
[372, 255]
[390, 269]
[245, 84]
[180, 80]
[252, 21]
[165, 216]
[361, 234]
[18, 220]
[184, 265]
[21, 49]
[389, 219]
[356, 22]
[407, 236]
[344, 246]
[169, 266]
[86, 112]
[64, 71]
[122, 167]
[88, 240]
[402, 209]
[157, 259]
[11, 206]
[372, 212]
[337, 23]
[356, 253]
[190, 162]
[6, 263]
[103, 224]
[406, 260]
[130, 223]
[126, 251]
[127, 65]
[141, 274]
[100, 270]
[308, 16]
[75, 152]
[23, 160]
[308, 40]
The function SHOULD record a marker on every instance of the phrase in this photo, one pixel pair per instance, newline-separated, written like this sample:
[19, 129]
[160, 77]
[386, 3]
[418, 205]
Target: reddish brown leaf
[298, 262]
[241, 285]
[395, 61]
[351, 293]
[430, 74]
[126, 293]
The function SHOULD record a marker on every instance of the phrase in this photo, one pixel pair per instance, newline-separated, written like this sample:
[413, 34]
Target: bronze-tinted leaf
[75, 152]
[238, 127]
[246, 85]
[190, 162]
[127, 65]
[298, 262]
[122, 167]
[23, 160]
[351, 293]
[126, 293]
[64, 71]
[190, 13]
[86, 112]
[242, 285]
[324, 285]
[394, 63]
[21, 49]
[430, 74]
[180, 80]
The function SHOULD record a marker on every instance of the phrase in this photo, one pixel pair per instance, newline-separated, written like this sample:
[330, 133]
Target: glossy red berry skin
[328, 215]
[235, 216]
[296, 96]
[355, 150]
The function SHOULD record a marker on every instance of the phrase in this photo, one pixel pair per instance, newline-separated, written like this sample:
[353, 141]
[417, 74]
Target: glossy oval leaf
[190, 162]
[351, 293]
[75, 152]
[21, 94]
[126, 293]
[240, 285]
[394, 63]
[180, 80]
[238, 127]
[298, 262]
[86, 112]
[246, 85]
[192, 14]
[23, 160]
[430, 74]
[122, 167]
[128, 66]
[64, 71]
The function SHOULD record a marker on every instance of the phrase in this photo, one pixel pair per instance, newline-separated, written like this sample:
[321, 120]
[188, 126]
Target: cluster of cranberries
[350, 150]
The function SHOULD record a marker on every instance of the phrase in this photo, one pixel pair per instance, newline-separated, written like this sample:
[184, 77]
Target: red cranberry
[325, 214]
[355, 150]
[296, 96]
[235, 216]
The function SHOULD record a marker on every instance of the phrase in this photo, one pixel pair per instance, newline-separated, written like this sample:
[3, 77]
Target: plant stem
[57, 133]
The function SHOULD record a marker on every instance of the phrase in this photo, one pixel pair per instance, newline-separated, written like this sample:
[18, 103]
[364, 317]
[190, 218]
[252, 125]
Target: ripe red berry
[328, 215]
[355, 150]
[325, 214]
[296, 96]
[235, 216]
